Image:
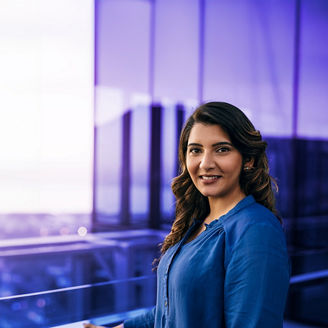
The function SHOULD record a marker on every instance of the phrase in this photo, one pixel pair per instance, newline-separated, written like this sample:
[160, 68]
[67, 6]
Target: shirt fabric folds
[235, 274]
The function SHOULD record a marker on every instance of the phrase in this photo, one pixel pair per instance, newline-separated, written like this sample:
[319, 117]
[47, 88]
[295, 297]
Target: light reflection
[82, 231]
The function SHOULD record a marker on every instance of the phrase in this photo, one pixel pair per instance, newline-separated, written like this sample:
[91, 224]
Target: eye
[194, 150]
[223, 149]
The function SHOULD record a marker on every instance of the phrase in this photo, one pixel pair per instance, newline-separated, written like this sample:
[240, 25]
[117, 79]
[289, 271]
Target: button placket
[165, 279]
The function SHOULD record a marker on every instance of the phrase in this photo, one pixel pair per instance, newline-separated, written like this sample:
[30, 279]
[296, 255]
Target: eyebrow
[214, 145]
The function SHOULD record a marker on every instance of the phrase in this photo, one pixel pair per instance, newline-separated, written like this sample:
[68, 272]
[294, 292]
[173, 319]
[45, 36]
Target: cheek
[238, 166]
[231, 165]
[191, 166]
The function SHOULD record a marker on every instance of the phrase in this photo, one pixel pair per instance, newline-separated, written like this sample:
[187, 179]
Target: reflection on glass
[111, 300]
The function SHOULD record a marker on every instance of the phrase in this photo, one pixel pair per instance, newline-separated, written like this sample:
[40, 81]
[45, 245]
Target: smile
[209, 177]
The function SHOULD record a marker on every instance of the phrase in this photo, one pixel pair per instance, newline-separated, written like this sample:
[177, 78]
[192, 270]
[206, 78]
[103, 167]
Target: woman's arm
[257, 279]
[145, 320]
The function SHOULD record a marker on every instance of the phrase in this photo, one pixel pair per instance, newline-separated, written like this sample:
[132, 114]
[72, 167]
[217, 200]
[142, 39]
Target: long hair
[190, 203]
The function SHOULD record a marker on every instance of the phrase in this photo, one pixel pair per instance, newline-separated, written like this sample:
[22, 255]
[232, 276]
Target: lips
[209, 177]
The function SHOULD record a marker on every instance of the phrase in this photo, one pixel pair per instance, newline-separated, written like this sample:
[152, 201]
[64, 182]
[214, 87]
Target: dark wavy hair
[190, 203]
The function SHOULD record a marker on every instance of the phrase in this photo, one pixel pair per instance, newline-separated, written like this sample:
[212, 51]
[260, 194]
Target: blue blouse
[235, 274]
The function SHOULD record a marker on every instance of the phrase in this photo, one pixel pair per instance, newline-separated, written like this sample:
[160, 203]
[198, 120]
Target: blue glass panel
[169, 156]
[101, 303]
[140, 148]
[108, 170]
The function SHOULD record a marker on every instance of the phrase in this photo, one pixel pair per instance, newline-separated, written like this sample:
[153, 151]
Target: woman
[225, 262]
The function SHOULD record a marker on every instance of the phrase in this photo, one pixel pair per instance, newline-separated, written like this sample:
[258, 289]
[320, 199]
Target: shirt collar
[248, 200]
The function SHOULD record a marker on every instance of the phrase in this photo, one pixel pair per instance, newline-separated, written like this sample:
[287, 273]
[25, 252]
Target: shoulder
[253, 222]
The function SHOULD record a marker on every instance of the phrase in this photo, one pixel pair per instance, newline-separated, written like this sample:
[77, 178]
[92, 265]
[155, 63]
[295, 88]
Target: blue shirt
[235, 274]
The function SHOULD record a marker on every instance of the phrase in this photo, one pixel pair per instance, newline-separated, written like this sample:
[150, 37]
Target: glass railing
[105, 303]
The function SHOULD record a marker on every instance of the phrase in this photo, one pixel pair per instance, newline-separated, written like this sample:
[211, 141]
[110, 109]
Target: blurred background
[93, 96]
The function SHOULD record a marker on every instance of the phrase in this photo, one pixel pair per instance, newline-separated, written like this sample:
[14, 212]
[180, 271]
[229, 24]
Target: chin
[207, 193]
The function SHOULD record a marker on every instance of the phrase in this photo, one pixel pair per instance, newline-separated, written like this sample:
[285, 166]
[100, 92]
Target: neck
[222, 205]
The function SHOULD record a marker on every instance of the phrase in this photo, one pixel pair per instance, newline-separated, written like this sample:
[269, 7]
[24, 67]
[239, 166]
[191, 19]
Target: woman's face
[213, 163]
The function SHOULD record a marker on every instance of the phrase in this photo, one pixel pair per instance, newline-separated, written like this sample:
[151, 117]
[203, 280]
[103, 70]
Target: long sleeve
[257, 279]
[145, 320]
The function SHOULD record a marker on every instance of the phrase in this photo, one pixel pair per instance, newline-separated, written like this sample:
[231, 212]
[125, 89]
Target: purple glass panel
[249, 59]
[176, 49]
[123, 35]
[313, 96]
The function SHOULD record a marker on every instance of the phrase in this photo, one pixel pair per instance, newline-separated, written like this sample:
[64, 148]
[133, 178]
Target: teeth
[210, 178]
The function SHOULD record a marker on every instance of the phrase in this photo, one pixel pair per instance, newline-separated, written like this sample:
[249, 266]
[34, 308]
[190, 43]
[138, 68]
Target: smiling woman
[225, 262]
[214, 166]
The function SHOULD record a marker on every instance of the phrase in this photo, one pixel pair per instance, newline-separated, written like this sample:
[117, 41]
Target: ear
[248, 164]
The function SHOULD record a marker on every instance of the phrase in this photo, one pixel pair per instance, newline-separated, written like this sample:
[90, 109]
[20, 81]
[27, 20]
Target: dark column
[294, 145]
[155, 175]
[179, 119]
[126, 170]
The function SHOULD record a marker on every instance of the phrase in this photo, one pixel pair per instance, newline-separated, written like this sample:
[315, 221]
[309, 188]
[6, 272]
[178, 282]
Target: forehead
[203, 133]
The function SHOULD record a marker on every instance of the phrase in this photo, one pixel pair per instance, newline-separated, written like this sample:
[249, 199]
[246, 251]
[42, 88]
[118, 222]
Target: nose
[207, 161]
